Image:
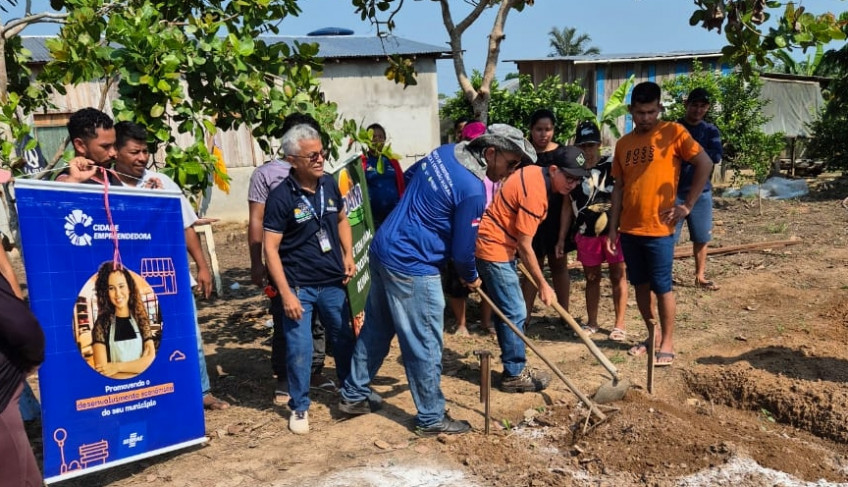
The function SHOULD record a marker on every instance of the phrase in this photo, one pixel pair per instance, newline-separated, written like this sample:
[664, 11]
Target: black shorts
[451, 283]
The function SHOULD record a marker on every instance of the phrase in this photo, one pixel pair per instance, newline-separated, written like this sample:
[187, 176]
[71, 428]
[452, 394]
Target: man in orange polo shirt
[646, 167]
[507, 228]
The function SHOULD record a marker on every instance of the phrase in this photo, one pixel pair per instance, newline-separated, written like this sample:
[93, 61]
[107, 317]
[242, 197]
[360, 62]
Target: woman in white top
[123, 341]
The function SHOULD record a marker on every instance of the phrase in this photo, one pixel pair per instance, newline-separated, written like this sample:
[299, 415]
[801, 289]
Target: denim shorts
[649, 260]
[699, 221]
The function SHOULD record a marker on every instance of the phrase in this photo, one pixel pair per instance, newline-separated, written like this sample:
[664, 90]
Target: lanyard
[312, 208]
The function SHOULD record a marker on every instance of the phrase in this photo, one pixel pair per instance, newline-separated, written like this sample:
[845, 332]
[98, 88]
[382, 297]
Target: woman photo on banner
[122, 337]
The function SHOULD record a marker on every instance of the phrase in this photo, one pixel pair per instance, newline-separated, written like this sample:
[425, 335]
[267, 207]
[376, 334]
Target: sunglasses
[313, 158]
[510, 164]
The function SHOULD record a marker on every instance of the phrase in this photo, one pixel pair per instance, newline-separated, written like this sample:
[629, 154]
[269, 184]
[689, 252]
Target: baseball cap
[587, 133]
[698, 94]
[508, 138]
[573, 161]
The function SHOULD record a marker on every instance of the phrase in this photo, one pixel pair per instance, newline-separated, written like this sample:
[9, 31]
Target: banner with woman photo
[108, 278]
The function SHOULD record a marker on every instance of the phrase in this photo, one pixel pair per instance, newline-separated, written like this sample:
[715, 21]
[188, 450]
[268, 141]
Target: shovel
[609, 392]
[593, 409]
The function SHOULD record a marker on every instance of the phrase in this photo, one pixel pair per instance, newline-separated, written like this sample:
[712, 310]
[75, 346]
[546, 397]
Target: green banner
[351, 180]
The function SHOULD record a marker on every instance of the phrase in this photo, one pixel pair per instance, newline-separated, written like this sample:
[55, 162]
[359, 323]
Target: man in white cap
[436, 220]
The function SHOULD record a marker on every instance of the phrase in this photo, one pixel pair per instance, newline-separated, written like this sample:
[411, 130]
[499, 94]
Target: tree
[748, 45]
[736, 110]
[566, 42]
[400, 70]
[829, 142]
[182, 68]
[515, 108]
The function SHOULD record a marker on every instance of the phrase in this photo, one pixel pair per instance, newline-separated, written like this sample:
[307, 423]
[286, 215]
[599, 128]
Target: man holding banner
[436, 220]
[308, 252]
[131, 160]
[96, 140]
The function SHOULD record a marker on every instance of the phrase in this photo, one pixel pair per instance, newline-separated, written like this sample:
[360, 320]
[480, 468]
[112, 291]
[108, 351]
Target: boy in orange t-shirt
[507, 228]
[646, 167]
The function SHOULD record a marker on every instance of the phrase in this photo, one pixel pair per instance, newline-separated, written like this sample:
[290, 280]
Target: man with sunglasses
[435, 220]
[308, 250]
[507, 229]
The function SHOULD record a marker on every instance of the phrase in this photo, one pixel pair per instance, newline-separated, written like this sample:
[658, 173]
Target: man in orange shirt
[646, 167]
[507, 228]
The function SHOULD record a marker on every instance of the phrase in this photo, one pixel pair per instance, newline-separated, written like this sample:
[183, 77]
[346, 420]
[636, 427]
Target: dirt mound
[819, 406]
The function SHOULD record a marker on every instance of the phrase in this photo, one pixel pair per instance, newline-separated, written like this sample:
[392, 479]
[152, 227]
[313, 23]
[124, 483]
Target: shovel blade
[611, 391]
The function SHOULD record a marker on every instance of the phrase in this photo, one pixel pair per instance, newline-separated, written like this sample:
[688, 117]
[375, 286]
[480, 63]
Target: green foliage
[736, 110]
[186, 69]
[515, 108]
[616, 106]
[749, 44]
[829, 142]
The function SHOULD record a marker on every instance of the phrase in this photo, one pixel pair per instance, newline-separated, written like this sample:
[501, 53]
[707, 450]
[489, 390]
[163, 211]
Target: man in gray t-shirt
[264, 179]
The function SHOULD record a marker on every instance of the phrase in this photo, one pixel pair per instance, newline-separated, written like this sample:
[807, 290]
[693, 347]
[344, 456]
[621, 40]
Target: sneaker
[529, 380]
[322, 382]
[446, 426]
[299, 422]
[354, 408]
[371, 404]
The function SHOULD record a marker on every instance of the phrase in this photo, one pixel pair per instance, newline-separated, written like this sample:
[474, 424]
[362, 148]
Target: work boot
[446, 426]
[529, 380]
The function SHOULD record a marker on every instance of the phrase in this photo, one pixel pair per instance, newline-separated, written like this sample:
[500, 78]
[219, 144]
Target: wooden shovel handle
[577, 329]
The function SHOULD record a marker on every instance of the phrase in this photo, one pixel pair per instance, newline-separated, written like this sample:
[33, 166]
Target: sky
[615, 26]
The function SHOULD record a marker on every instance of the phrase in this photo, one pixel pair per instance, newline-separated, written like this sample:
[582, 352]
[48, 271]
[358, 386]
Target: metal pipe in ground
[485, 382]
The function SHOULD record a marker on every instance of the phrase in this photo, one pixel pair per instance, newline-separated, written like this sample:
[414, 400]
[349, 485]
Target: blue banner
[120, 380]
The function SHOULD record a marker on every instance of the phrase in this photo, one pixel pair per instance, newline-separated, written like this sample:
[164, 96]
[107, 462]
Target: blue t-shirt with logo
[436, 219]
[286, 212]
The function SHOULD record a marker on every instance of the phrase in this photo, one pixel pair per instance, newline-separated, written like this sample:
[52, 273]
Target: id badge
[324, 241]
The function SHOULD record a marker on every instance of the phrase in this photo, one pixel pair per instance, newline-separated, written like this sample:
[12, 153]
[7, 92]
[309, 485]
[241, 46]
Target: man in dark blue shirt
[308, 251]
[700, 219]
[436, 220]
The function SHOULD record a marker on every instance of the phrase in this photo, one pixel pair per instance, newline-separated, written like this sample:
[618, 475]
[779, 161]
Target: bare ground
[761, 375]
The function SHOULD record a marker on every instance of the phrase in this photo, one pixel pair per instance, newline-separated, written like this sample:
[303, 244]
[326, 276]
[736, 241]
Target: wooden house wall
[602, 79]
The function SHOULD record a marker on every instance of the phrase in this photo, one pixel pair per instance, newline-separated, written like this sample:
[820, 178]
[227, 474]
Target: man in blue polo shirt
[436, 220]
[308, 252]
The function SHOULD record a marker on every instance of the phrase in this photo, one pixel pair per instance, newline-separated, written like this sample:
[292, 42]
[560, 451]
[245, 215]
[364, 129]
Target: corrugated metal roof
[331, 47]
[36, 45]
[627, 57]
[340, 47]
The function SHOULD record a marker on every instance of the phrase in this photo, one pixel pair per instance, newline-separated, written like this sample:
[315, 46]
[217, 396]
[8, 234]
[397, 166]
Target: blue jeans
[501, 280]
[331, 304]
[413, 308]
[649, 260]
[205, 386]
[699, 220]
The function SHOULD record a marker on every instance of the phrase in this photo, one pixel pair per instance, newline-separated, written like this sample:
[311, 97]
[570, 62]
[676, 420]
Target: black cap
[587, 133]
[573, 162]
[698, 95]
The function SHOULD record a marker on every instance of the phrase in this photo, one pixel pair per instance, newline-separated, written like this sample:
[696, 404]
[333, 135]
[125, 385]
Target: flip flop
[281, 397]
[668, 356]
[638, 350]
[706, 285]
[212, 403]
[618, 335]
